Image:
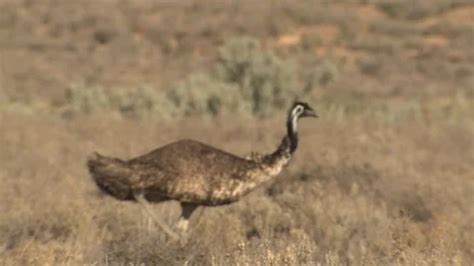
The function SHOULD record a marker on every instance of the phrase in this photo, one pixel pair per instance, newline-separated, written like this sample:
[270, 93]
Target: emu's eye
[299, 110]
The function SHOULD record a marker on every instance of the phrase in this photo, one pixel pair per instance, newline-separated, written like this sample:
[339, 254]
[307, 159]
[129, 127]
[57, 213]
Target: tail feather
[111, 175]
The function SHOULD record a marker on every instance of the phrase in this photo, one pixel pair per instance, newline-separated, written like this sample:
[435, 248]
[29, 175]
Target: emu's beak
[310, 113]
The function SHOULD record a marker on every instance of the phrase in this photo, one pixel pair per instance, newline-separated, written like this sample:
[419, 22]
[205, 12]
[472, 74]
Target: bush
[245, 80]
[141, 102]
[409, 9]
[265, 81]
[86, 99]
[201, 95]
[137, 102]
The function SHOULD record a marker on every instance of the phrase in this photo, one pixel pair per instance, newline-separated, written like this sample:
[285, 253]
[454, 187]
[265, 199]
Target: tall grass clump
[246, 80]
[135, 102]
[409, 9]
[265, 81]
[202, 95]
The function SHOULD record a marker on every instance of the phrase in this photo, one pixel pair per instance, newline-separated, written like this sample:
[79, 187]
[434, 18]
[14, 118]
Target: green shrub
[86, 99]
[136, 102]
[265, 81]
[410, 9]
[141, 101]
[246, 80]
[321, 75]
[201, 95]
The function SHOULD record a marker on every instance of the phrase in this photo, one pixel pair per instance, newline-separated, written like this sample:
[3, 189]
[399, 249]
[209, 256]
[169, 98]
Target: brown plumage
[192, 172]
[187, 171]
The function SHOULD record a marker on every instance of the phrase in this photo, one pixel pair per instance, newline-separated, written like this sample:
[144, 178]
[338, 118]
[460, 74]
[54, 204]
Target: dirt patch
[344, 54]
[289, 39]
[369, 12]
[322, 40]
[327, 34]
[436, 41]
[460, 15]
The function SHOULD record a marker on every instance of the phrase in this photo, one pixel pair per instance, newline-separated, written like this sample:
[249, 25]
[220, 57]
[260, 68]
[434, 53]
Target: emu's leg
[187, 210]
[141, 199]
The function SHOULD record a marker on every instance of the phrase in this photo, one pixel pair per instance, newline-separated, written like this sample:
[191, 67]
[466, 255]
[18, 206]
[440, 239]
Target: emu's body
[187, 171]
[193, 173]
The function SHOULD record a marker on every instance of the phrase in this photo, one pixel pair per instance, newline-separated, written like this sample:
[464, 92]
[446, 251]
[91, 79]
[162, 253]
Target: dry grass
[384, 177]
[360, 190]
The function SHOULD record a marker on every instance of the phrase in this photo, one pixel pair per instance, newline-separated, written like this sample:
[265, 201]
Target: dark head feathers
[307, 110]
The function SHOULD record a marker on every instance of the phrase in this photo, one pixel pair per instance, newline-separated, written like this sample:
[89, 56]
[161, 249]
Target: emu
[193, 173]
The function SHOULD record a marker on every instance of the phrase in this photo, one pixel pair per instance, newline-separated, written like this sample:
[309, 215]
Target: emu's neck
[292, 133]
[272, 164]
[280, 158]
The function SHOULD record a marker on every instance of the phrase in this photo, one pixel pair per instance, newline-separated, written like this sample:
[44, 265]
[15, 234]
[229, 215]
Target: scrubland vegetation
[385, 176]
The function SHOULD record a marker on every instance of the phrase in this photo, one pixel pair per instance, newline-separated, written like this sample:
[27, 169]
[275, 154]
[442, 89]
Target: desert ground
[385, 176]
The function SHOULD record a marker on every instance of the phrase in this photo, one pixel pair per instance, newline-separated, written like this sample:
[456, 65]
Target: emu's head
[301, 109]
[298, 110]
